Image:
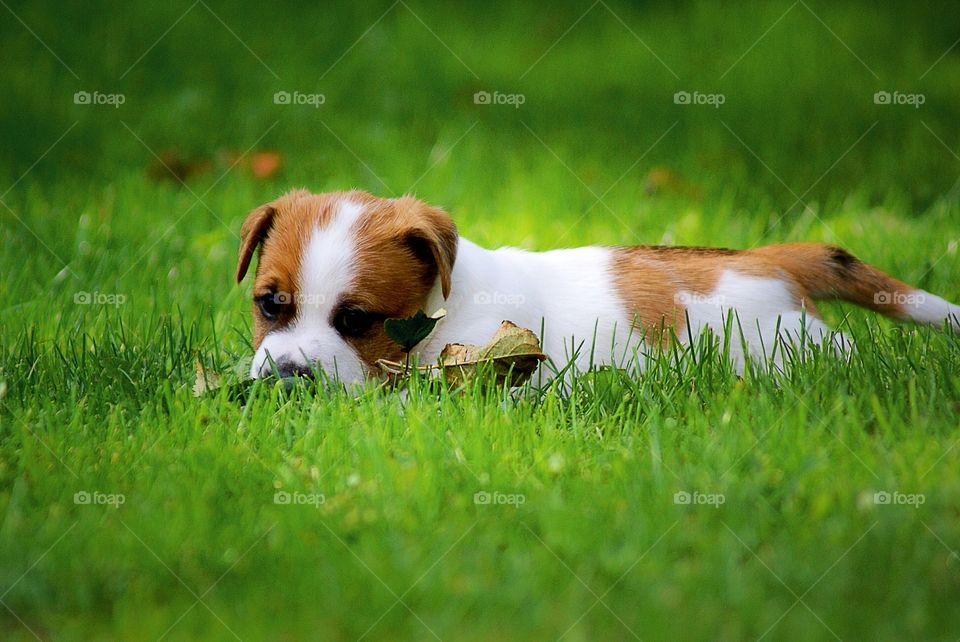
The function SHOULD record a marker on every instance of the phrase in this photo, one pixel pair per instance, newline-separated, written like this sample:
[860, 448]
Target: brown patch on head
[281, 228]
[403, 248]
[252, 233]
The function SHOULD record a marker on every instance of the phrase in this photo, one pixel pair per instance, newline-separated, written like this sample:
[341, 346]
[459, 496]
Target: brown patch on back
[684, 251]
[649, 278]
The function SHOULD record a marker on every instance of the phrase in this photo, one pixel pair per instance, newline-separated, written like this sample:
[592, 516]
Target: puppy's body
[334, 266]
[568, 294]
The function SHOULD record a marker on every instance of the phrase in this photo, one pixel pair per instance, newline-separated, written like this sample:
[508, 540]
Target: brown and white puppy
[333, 266]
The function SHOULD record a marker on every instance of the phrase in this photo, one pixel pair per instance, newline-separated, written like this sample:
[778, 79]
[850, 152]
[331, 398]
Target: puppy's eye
[352, 322]
[273, 304]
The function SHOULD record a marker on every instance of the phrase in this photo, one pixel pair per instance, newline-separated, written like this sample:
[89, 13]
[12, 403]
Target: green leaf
[407, 333]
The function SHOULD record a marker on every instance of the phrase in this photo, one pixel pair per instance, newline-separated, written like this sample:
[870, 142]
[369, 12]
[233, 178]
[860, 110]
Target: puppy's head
[332, 268]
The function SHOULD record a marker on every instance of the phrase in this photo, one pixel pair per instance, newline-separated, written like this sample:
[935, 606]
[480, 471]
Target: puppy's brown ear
[433, 238]
[252, 233]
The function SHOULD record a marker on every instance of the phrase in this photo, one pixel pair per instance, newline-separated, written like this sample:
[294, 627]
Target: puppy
[334, 266]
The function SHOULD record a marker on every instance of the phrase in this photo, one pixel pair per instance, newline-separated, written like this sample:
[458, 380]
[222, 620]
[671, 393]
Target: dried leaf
[174, 165]
[206, 381]
[513, 354]
[663, 180]
[392, 368]
[265, 164]
[237, 379]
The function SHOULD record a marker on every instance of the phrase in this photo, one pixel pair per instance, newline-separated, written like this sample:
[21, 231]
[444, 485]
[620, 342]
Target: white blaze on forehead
[327, 268]
[328, 265]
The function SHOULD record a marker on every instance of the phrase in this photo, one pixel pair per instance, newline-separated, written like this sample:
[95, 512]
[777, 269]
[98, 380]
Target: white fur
[568, 294]
[765, 313]
[923, 307]
[327, 268]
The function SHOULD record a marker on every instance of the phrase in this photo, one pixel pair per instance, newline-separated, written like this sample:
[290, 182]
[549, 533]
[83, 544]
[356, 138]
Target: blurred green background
[594, 149]
[797, 138]
[399, 79]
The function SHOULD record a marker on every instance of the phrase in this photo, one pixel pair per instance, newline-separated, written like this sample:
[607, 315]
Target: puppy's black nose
[293, 369]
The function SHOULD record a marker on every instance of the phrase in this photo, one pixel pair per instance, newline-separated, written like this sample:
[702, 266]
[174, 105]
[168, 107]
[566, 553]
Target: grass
[386, 538]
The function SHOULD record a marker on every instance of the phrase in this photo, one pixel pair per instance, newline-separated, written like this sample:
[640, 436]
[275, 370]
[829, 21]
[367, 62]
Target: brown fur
[827, 272]
[404, 246]
[650, 277]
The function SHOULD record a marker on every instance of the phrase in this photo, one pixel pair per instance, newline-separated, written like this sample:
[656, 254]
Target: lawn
[689, 503]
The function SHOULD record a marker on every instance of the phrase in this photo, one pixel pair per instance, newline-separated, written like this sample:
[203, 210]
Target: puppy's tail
[827, 272]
